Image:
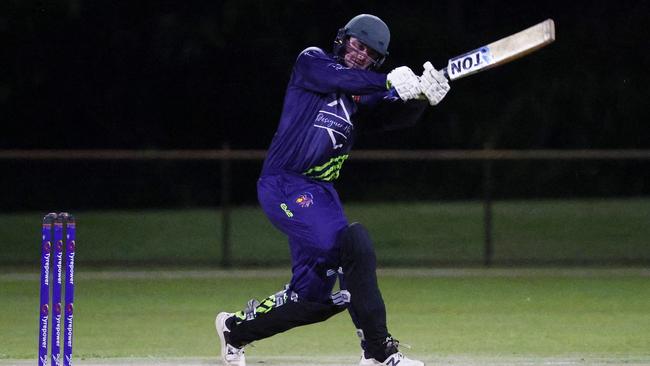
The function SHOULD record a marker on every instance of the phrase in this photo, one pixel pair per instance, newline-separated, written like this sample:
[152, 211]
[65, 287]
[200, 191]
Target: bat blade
[502, 51]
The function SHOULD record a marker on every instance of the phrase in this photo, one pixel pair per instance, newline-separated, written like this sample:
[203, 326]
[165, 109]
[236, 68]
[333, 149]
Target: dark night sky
[193, 74]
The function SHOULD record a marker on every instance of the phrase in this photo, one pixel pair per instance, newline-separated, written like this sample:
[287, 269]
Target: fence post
[488, 249]
[225, 209]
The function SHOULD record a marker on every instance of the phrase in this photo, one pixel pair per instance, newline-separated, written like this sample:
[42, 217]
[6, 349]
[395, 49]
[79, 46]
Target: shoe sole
[368, 362]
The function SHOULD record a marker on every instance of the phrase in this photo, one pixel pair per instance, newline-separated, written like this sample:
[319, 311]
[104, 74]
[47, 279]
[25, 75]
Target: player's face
[358, 55]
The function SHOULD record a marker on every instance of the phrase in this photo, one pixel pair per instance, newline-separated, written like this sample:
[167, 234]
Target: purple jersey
[315, 132]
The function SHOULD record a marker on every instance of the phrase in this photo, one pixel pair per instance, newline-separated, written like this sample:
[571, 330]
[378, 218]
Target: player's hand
[405, 82]
[434, 84]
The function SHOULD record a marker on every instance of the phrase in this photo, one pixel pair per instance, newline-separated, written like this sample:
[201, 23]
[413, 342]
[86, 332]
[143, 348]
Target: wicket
[53, 229]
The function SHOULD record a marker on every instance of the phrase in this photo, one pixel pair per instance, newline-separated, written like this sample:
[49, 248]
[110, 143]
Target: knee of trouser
[355, 244]
[288, 301]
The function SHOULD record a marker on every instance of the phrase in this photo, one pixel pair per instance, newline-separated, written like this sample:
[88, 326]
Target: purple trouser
[311, 215]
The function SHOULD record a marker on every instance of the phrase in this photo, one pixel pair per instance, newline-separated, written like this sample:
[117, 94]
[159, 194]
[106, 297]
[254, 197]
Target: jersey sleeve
[316, 71]
[369, 101]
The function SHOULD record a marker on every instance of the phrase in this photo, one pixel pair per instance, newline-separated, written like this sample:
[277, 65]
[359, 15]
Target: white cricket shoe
[396, 359]
[231, 355]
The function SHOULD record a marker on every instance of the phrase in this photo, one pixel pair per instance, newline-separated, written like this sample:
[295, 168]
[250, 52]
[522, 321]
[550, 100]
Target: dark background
[81, 74]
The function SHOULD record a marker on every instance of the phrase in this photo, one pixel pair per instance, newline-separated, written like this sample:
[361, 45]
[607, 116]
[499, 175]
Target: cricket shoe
[396, 359]
[231, 355]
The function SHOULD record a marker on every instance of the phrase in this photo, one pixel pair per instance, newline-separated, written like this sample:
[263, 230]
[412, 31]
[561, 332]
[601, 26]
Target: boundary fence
[226, 156]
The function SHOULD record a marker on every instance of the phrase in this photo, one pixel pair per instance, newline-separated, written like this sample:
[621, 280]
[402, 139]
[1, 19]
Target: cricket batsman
[296, 191]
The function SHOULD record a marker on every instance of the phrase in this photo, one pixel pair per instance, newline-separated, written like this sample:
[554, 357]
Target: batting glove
[405, 82]
[434, 84]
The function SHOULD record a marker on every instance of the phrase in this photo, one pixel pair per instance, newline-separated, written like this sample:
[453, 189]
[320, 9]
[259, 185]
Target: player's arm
[386, 111]
[432, 86]
[316, 71]
[369, 101]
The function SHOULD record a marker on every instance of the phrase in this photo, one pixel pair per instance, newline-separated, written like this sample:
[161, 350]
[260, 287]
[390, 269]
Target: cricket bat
[502, 51]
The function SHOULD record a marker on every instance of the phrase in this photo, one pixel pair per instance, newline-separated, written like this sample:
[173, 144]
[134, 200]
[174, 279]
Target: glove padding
[434, 84]
[405, 82]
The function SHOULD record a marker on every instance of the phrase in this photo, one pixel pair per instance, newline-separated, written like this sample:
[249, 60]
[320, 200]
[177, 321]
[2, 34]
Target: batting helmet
[370, 30]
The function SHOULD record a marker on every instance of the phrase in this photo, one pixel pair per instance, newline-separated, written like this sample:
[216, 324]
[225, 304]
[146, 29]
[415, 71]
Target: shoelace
[405, 345]
[392, 342]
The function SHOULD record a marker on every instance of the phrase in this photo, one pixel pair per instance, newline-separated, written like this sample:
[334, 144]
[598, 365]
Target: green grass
[404, 233]
[541, 314]
[587, 230]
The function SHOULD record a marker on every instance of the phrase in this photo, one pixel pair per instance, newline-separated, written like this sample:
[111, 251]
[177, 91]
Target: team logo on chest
[305, 200]
[336, 121]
